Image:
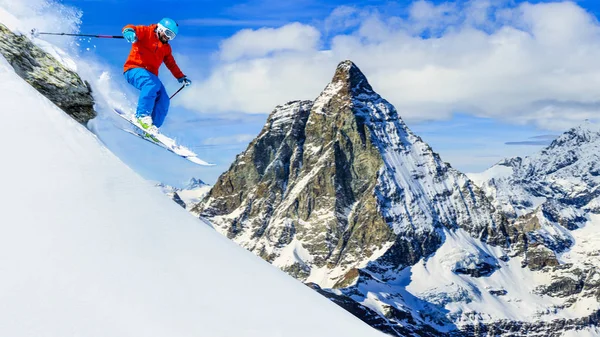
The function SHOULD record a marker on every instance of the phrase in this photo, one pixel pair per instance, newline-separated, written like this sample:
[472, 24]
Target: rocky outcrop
[297, 181]
[477, 270]
[52, 79]
[178, 200]
[539, 257]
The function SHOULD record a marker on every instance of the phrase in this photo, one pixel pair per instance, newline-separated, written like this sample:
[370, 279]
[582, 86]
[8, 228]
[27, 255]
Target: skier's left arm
[174, 68]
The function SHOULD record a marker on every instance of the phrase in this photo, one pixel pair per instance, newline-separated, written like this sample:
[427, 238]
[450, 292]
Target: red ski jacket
[149, 53]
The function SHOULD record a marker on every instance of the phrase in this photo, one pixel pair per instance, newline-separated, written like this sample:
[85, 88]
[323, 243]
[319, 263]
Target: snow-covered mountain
[188, 196]
[341, 194]
[102, 252]
[553, 192]
[195, 183]
[567, 171]
[553, 198]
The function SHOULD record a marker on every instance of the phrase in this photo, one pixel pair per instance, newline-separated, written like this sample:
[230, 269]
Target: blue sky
[472, 127]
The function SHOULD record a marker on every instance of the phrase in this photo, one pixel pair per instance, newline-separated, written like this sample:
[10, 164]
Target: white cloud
[424, 14]
[532, 63]
[294, 37]
[342, 18]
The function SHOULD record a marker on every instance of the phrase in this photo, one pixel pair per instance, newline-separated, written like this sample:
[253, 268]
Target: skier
[150, 48]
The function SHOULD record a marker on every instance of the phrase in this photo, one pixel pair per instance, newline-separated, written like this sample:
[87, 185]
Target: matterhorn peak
[350, 78]
[347, 83]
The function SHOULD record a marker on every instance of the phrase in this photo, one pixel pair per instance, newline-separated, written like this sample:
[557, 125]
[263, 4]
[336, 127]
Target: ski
[161, 140]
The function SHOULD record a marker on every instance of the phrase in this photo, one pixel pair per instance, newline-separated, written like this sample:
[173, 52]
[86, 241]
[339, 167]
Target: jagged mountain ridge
[552, 192]
[553, 198]
[195, 183]
[567, 171]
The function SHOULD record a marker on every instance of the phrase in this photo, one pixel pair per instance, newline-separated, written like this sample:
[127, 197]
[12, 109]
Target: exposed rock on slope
[52, 79]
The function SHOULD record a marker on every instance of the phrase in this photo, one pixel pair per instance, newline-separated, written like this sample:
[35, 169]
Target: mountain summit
[351, 78]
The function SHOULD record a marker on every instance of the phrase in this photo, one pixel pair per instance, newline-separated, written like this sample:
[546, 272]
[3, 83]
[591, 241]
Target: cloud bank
[527, 63]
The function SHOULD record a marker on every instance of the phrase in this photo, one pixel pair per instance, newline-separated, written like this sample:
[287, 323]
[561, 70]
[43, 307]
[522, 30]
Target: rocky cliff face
[59, 84]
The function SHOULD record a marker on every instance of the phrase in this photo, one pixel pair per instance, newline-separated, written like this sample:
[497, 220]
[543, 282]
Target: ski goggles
[168, 33]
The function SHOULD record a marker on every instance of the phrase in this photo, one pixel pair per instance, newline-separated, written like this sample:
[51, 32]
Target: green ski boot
[146, 124]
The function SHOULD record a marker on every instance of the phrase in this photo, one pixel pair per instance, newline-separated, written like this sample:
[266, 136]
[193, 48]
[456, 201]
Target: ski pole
[34, 32]
[176, 92]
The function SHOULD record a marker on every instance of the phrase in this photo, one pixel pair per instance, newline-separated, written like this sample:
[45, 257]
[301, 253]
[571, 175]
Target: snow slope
[101, 252]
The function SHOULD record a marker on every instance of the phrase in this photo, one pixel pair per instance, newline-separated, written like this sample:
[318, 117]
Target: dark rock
[479, 270]
[178, 200]
[389, 323]
[537, 257]
[349, 278]
[41, 70]
[563, 286]
[298, 270]
[500, 292]
[554, 328]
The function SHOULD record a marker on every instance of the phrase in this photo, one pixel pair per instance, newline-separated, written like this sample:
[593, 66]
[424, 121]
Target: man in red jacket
[150, 48]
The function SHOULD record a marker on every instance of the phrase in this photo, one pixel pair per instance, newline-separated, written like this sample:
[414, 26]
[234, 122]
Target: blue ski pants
[154, 100]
